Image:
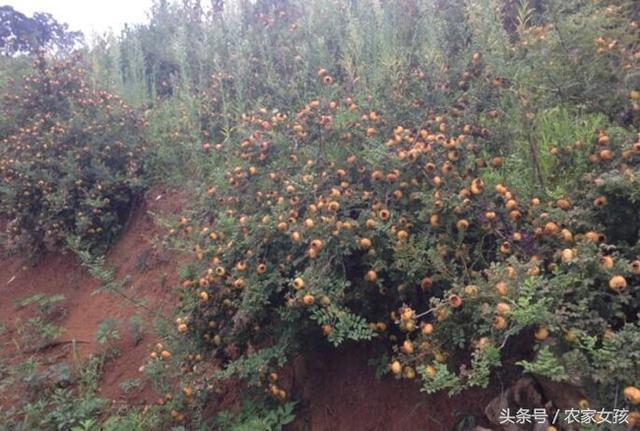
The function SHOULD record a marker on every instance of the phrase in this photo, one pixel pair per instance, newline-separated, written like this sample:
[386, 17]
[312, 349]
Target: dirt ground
[151, 275]
[339, 390]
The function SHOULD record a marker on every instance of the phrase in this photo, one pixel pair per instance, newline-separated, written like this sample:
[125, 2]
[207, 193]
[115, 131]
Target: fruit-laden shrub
[71, 160]
[332, 222]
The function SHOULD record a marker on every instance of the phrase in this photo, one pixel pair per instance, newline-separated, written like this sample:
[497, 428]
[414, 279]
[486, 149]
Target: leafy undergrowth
[72, 344]
[389, 234]
[450, 187]
[71, 159]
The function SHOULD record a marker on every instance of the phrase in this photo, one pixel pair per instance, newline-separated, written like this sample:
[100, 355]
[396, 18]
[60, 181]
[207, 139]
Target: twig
[431, 310]
[54, 344]
[504, 342]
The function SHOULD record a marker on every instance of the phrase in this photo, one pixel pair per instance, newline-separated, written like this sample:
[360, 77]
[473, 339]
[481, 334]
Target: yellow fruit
[325, 301]
[407, 347]
[430, 371]
[477, 185]
[408, 326]
[482, 343]
[426, 328]
[566, 235]
[501, 288]
[541, 333]
[384, 214]
[617, 283]
[434, 220]
[441, 313]
[462, 225]
[298, 283]
[570, 336]
[371, 276]
[182, 328]
[593, 236]
[551, 228]
[281, 395]
[632, 394]
[606, 262]
[317, 244]
[396, 368]
[633, 419]
[563, 204]
[365, 242]
[499, 323]
[567, 255]
[505, 248]
[274, 389]
[471, 290]
[502, 308]
[407, 314]
[409, 373]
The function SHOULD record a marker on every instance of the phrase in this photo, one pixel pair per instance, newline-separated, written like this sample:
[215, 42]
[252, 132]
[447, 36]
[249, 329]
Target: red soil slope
[339, 390]
[151, 275]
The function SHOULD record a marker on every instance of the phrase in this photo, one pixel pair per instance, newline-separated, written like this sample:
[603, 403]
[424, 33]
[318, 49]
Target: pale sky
[88, 16]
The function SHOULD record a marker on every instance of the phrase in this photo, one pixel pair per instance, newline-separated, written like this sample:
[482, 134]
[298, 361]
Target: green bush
[452, 181]
[332, 223]
[447, 187]
[71, 160]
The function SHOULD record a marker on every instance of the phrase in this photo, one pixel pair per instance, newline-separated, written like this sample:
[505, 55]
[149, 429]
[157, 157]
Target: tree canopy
[20, 34]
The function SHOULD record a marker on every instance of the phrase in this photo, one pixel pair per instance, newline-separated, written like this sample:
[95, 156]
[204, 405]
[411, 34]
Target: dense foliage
[22, 34]
[71, 158]
[465, 211]
[452, 182]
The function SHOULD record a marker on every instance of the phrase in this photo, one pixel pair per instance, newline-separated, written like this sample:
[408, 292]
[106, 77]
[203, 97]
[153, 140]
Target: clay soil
[150, 275]
[338, 389]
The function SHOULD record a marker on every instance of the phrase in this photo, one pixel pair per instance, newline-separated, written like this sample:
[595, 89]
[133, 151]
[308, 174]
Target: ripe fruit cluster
[333, 222]
[70, 157]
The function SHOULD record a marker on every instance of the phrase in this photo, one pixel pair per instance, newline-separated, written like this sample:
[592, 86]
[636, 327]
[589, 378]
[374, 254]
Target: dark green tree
[20, 34]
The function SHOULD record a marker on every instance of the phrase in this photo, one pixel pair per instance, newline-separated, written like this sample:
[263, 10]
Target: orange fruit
[371, 276]
[617, 283]
[298, 283]
[501, 288]
[541, 333]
